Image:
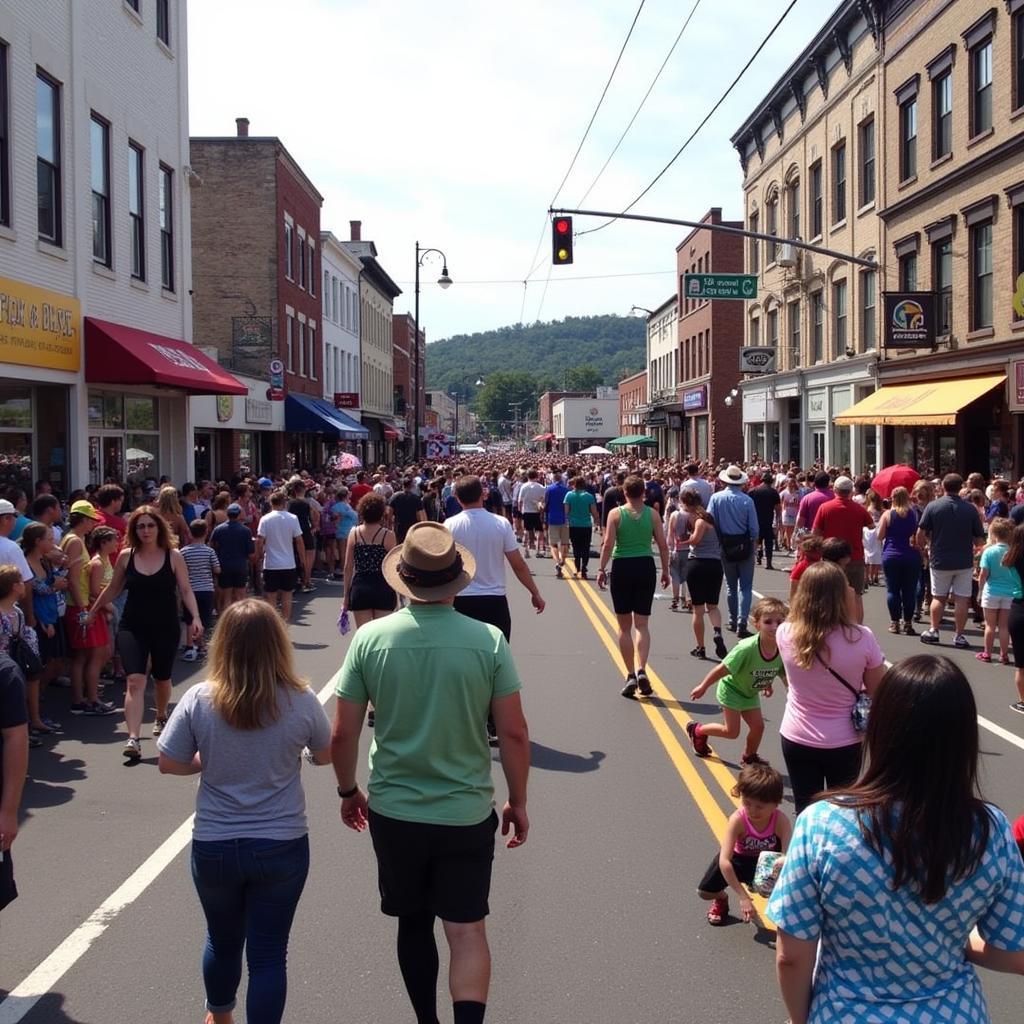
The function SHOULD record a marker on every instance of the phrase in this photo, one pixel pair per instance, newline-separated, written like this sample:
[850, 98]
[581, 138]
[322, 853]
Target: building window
[755, 331]
[163, 21]
[818, 326]
[48, 159]
[166, 227]
[942, 104]
[908, 272]
[908, 139]
[772, 206]
[5, 153]
[137, 210]
[981, 276]
[289, 343]
[943, 284]
[839, 183]
[793, 202]
[301, 346]
[1018, 246]
[817, 201]
[868, 281]
[755, 246]
[327, 295]
[793, 313]
[312, 269]
[301, 254]
[867, 162]
[311, 337]
[981, 88]
[773, 329]
[289, 245]
[1018, 60]
[99, 145]
[839, 318]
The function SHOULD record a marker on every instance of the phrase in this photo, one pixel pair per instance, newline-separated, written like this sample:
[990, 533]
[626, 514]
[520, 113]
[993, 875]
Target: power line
[586, 277]
[707, 118]
[636, 113]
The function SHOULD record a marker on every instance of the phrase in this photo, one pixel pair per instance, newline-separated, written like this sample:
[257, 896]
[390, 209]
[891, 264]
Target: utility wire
[707, 118]
[636, 113]
[587, 277]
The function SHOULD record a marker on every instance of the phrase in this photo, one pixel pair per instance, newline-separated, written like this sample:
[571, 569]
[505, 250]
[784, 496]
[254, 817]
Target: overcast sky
[453, 122]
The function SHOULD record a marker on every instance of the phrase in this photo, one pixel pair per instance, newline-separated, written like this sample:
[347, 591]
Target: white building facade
[663, 376]
[96, 361]
[340, 291]
[578, 423]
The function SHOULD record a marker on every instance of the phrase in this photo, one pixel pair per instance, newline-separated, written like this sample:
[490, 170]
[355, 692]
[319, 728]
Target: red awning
[544, 437]
[390, 434]
[115, 354]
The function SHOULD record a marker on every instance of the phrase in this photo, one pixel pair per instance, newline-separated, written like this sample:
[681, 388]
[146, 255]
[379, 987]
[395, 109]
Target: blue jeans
[249, 889]
[902, 575]
[741, 573]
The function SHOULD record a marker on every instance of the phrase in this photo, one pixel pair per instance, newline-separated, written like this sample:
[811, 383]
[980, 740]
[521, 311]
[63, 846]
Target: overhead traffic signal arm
[561, 240]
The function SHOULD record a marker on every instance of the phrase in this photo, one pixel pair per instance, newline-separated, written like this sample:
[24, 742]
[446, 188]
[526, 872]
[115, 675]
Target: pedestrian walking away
[432, 676]
[735, 518]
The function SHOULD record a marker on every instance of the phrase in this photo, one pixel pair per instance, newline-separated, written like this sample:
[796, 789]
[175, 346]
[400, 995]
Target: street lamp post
[444, 281]
[458, 393]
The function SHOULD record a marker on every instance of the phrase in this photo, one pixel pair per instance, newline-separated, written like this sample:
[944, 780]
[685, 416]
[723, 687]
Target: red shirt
[843, 517]
[1018, 833]
[358, 490]
[118, 523]
[801, 567]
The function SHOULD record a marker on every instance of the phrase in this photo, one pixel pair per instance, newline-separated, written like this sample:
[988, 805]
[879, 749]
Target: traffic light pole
[777, 239]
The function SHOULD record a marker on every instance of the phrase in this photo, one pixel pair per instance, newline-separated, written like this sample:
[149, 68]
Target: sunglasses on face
[145, 526]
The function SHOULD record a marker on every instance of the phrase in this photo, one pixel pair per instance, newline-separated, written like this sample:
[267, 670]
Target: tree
[585, 377]
[507, 396]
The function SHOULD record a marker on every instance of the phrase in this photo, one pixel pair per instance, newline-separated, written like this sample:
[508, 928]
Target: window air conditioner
[787, 255]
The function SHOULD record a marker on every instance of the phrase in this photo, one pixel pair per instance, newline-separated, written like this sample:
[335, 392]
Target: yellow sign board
[39, 327]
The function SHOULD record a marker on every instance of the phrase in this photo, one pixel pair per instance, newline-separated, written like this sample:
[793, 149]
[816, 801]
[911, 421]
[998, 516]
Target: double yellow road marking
[604, 624]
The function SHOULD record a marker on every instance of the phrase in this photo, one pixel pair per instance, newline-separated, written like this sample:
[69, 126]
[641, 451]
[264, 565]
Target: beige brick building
[810, 153]
[953, 210]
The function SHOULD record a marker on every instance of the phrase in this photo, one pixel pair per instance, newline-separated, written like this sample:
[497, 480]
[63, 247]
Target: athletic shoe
[962, 642]
[159, 725]
[644, 684]
[99, 708]
[698, 652]
[52, 725]
[731, 626]
[719, 911]
[1018, 706]
[720, 649]
[307, 589]
[930, 636]
[908, 628]
[34, 741]
[81, 707]
[558, 572]
[190, 655]
[753, 759]
[742, 633]
[629, 690]
[132, 749]
[700, 743]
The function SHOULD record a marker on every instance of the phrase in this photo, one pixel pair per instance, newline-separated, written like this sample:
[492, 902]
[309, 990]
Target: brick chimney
[242, 126]
[355, 230]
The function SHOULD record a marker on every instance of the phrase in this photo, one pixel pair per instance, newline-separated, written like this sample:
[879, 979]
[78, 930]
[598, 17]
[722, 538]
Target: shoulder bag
[861, 704]
[736, 547]
[21, 653]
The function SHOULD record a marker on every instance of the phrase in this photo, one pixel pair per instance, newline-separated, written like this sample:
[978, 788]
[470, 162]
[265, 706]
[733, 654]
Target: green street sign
[720, 286]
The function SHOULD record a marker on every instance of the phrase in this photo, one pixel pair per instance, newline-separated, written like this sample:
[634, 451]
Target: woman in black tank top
[153, 572]
[368, 595]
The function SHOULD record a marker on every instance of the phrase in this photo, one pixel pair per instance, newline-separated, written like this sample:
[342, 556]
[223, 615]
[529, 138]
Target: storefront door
[818, 445]
[106, 458]
[203, 448]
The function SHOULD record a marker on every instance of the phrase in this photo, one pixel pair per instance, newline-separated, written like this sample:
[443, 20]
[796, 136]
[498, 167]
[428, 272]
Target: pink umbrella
[348, 461]
[892, 477]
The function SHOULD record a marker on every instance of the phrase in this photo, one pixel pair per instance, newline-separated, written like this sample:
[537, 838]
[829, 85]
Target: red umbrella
[892, 477]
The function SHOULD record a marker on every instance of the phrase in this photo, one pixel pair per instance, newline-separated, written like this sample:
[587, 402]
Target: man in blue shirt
[234, 545]
[735, 515]
[554, 516]
[345, 517]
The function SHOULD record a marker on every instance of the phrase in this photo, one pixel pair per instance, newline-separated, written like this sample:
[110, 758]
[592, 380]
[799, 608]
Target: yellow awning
[931, 404]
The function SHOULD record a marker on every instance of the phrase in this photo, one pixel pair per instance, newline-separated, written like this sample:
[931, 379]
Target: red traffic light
[562, 226]
[561, 241]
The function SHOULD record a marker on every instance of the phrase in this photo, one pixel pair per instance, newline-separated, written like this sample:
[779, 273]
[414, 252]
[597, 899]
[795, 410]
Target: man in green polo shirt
[432, 676]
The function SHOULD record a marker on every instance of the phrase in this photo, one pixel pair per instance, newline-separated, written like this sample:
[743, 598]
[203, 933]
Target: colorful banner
[39, 327]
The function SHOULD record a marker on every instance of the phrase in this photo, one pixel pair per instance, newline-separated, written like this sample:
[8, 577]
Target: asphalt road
[594, 919]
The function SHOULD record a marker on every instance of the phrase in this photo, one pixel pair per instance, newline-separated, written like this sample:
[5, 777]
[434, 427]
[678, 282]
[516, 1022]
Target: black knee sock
[467, 1012]
[417, 958]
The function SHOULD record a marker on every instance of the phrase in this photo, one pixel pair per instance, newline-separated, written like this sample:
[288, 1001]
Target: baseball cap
[265, 481]
[843, 483]
[6, 508]
[234, 509]
[84, 508]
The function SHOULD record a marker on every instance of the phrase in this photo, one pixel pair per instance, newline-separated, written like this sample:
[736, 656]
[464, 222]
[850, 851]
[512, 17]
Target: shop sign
[258, 411]
[346, 399]
[252, 343]
[909, 320]
[695, 398]
[275, 393]
[1016, 385]
[39, 327]
[816, 405]
[757, 359]
[225, 408]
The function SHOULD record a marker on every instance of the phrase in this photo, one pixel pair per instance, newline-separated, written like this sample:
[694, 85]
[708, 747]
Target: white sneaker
[132, 749]
[190, 655]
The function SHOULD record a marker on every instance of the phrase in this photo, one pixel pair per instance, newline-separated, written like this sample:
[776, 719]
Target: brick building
[953, 210]
[404, 360]
[633, 404]
[256, 260]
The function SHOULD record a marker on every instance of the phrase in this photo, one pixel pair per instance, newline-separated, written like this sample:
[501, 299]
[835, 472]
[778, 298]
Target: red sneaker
[699, 741]
[719, 911]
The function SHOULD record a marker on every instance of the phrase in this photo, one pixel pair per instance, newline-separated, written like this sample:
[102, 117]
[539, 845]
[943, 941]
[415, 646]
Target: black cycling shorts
[276, 580]
[704, 580]
[632, 585]
[148, 649]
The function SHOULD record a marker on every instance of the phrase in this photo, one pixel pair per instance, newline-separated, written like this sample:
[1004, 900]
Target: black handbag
[736, 547]
[22, 654]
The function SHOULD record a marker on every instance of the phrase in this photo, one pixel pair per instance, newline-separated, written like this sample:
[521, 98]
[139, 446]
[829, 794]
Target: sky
[452, 123]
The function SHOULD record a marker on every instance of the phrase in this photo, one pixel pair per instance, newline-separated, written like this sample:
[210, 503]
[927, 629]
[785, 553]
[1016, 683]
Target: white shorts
[956, 581]
[995, 603]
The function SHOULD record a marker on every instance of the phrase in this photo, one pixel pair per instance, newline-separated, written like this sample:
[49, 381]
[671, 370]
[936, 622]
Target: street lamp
[461, 380]
[444, 281]
[640, 309]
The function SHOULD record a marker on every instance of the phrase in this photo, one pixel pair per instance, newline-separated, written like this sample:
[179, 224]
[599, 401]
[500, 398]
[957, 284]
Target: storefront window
[142, 457]
[106, 410]
[140, 413]
[946, 445]
[15, 408]
[701, 424]
[869, 448]
[16, 460]
[841, 447]
[757, 440]
[246, 450]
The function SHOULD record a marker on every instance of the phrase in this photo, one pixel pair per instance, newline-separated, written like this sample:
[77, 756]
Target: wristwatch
[345, 794]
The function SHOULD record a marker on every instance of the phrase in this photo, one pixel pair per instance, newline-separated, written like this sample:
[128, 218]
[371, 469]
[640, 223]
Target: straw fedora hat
[734, 476]
[429, 566]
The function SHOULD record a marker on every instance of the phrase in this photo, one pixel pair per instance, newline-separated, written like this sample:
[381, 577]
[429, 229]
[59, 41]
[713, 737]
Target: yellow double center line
[606, 627]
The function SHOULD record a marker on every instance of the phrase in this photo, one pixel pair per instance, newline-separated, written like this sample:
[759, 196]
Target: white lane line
[28, 992]
[1001, 732]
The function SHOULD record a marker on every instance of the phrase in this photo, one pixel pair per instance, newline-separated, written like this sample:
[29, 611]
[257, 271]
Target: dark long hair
[917, 795]
[1015, 555]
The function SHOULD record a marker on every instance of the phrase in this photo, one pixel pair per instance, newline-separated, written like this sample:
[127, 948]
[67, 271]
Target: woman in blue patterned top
[907, 878]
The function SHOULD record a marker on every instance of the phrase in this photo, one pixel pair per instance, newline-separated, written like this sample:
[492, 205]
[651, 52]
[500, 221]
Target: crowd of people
[108, 587]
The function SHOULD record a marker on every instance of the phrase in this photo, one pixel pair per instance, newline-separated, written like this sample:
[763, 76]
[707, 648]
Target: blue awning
[305, 414]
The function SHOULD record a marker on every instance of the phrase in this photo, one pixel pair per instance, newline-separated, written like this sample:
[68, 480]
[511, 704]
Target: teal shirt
[1003, 580]
[578, 505]
[430, 674]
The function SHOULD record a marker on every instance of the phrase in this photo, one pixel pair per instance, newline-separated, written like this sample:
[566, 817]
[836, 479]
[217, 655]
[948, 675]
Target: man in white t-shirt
[531, 498]
[279, 550]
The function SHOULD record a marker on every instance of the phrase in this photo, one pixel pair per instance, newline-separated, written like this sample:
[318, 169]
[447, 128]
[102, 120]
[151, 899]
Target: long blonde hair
[250, 659]
[167, 502]
[818, 609]
[900, 499]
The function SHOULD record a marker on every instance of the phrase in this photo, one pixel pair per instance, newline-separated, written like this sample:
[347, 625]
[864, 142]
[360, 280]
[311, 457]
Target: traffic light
[561, 241]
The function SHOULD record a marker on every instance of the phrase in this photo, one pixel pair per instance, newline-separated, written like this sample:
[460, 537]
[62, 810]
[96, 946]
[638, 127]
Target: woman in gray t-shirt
[243, 731]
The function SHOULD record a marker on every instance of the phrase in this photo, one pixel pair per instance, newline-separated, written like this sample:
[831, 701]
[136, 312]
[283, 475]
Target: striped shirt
[201, 562]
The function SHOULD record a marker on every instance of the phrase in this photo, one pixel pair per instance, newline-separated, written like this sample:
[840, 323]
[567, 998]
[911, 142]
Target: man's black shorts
[488, 608]
[531, 520]
[228, 580]
[275, 580]
[444, 870]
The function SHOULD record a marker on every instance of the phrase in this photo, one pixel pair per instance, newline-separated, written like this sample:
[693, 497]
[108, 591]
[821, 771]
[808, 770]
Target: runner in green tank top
[627, 544]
